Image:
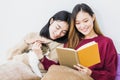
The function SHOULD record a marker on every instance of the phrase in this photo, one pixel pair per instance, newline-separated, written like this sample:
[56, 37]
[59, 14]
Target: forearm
[34, 62]
[47, 63]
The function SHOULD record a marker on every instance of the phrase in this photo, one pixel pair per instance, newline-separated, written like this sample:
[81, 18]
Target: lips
[85, 29]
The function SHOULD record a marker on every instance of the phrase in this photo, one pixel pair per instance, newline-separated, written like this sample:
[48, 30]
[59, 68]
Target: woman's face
[58, 29]
[84, 23]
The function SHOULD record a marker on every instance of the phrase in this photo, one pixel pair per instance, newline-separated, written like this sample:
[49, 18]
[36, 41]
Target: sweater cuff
[47, 63]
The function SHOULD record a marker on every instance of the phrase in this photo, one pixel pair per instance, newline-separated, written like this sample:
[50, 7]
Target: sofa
[118, 68]
[20, 48]
[14, 70]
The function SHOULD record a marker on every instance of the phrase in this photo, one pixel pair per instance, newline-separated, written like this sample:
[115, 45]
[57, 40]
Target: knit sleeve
[47, 62]
[108, 71]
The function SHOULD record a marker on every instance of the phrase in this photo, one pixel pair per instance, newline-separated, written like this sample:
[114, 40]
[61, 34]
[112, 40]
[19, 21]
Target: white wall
[18, 17]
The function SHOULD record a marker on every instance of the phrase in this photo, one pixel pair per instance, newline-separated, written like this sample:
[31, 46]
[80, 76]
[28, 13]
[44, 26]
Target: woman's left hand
[83, 69]
[36, 47]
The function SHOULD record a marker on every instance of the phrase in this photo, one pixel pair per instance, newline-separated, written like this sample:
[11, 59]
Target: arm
[47, 63]
[108, 73]
[108, 63]
[33, 62]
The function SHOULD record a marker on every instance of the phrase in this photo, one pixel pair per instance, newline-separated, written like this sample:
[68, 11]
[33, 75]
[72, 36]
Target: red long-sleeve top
[106, 69]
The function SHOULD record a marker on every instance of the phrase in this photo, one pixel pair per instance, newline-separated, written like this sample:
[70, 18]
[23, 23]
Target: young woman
[55, 33]
[84, 29]
[42, 45]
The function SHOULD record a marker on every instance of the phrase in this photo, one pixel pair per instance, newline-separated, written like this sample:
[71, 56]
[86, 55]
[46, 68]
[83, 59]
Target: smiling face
[84, 23]
[58, 29]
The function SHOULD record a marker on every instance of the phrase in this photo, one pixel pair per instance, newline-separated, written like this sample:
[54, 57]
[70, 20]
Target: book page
[86, 45]
[67, 57]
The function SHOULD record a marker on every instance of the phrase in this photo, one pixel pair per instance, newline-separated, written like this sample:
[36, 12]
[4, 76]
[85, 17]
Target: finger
[40, 41]
[77, 67]
[32, 42]
[81, 66]
[84, 70]
[38, 44]
[81, 69]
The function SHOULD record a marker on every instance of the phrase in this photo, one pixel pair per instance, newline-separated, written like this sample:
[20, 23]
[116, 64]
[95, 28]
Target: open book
[87, 55]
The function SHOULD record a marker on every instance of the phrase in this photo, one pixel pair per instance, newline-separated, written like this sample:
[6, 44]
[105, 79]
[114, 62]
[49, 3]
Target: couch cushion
[56, 72]
[118, 69]
[13, 70]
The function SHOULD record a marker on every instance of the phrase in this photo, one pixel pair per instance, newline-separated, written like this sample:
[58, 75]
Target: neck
[91, 35]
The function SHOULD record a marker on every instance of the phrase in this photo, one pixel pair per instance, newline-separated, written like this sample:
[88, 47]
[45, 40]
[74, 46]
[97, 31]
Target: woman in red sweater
[84, 29]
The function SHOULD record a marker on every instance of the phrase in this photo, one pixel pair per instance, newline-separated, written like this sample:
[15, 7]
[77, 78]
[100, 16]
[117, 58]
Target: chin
[53, 38]
[85, 33]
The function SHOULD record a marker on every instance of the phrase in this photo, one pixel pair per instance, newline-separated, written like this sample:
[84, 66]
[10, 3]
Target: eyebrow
[60, 27]
[82, 20]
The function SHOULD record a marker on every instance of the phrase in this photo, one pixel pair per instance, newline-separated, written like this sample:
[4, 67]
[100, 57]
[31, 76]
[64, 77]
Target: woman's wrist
[89, 72]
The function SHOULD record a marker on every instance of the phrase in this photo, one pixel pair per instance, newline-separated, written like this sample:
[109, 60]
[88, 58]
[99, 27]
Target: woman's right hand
[83, 69]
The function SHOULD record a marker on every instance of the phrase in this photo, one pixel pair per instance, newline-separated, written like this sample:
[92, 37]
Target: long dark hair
[62, 16]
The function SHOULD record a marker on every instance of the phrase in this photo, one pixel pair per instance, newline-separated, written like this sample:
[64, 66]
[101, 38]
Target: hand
[36, 47]
[83, 69]
[41, 40]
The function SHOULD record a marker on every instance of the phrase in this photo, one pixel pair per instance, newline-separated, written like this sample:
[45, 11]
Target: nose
[82, 25]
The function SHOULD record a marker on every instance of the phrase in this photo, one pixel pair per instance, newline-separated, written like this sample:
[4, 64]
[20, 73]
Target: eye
[57, 27]
[85, 20]
[64, 32]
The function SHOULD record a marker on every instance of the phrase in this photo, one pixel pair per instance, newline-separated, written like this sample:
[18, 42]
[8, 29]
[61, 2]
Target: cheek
[77, 26]
[91, 24]
[62, 35]
[51, 28]
[50, 31]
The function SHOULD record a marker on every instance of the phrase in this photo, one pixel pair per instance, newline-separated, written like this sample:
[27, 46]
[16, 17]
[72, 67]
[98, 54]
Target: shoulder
[105, 39]
[54, 44]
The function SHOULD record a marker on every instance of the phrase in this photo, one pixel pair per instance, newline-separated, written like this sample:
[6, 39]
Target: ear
[51, 20]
